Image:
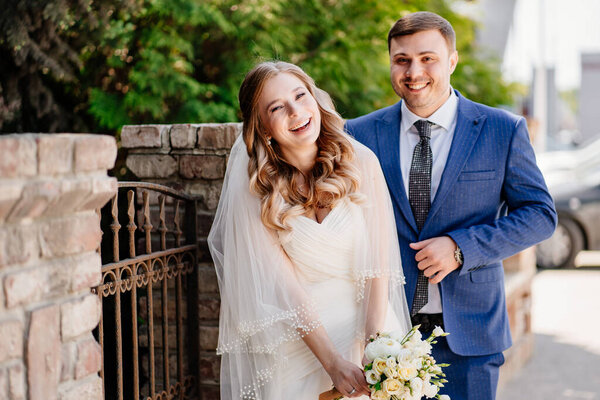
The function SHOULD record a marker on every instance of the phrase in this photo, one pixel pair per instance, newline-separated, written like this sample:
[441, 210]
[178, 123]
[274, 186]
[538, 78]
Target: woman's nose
[293, 109]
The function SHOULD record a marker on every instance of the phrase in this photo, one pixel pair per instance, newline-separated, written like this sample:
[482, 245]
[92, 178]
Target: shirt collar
[444, 116]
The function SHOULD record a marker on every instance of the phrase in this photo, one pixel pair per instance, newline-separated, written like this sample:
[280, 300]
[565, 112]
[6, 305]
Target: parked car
[577, 199]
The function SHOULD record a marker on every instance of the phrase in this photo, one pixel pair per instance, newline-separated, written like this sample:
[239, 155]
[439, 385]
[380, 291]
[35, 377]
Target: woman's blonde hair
[334, 175]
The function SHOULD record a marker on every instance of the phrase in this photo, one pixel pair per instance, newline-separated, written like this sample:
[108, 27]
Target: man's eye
[401, 60]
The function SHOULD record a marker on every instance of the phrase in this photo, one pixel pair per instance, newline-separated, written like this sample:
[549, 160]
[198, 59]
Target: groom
[466, 192]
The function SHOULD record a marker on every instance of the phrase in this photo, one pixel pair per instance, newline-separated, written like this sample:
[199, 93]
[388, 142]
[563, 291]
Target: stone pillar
[191, 158]
[50, 189]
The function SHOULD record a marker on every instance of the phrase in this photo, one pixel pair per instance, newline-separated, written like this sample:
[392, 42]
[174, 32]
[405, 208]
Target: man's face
[420, 69]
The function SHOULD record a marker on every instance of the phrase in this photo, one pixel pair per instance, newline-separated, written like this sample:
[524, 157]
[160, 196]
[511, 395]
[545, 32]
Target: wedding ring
[352, 391]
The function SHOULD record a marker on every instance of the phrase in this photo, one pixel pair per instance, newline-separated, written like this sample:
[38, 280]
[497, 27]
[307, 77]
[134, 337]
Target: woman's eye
[299, 95]
[276, 108]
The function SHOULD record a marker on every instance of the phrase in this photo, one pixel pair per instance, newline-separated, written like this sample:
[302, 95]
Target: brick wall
[193, 158]
[50, 188]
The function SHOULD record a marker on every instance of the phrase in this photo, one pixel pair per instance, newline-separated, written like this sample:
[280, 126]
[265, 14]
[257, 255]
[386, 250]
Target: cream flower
[404, 356]
[372, 377]
[379, 365]
[444, 397]
[416, 384]
[430, 390]
[393, 387]
[407, 373]
[391, 362]
[420, 349]
[382, 347]
[390, 372]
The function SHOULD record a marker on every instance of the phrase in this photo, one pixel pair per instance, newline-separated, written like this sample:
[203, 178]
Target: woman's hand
[347, 377]
[365, 360]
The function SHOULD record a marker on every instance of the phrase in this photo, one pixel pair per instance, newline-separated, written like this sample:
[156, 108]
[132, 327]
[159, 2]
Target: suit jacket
[492, 200]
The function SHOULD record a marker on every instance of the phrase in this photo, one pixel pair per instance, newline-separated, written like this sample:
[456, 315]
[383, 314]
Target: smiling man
[467, 193]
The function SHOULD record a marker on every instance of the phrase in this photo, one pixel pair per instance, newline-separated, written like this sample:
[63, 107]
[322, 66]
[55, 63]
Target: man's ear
[453, 61]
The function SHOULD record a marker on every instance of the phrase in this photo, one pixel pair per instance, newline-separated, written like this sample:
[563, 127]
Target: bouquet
[402, 368]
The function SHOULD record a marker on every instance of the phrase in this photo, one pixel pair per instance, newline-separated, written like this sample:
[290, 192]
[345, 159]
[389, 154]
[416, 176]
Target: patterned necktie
[419, 197]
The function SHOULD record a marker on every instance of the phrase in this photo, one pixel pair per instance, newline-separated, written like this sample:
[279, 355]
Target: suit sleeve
[531, 215]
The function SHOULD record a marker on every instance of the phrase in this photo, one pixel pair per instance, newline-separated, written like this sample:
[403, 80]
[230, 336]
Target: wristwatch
[458, 255]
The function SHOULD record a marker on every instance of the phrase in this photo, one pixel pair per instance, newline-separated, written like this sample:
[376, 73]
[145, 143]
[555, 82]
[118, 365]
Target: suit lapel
[388, 142]
[468, 127]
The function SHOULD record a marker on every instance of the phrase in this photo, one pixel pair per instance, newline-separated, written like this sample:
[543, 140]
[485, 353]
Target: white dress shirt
[441, 140]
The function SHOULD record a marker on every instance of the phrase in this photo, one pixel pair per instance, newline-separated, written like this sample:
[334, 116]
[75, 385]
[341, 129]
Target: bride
[304, 244]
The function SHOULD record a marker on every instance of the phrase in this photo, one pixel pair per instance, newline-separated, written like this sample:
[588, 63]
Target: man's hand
[435, 257]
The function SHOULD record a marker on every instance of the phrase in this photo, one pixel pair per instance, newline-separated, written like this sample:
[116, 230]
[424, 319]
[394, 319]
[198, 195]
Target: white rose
[426, 377]
[416, 384]
[393, 387]
[390, 372]
[407, 373]
[379, 365]
[444, 397]
[430, 390]
[373, 350]
[385, 347]
[420, 349]
[404, 356]
[372, 377]
[391, 362]
[382, 347]
[438, 331]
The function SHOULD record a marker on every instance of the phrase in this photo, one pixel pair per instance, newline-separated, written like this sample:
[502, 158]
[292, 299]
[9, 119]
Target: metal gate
[149, 326]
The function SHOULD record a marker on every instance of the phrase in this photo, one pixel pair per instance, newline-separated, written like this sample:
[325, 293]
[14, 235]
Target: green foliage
[166, 61]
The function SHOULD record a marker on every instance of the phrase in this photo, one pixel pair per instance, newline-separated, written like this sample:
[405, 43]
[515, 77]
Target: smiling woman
[291, 117]
[300, 158]
[304, 244]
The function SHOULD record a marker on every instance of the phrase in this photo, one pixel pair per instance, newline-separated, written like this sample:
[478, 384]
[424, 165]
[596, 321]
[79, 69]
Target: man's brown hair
[423, 21]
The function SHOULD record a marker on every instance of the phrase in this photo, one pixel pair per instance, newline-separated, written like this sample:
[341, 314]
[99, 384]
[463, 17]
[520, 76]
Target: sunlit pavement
[566, 323]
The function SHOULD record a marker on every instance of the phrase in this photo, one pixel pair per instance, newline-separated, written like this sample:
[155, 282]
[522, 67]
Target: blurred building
[495, 19]
[589, 100]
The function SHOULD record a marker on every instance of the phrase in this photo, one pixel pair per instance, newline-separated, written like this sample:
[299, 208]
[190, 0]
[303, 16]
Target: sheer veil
[264, 305]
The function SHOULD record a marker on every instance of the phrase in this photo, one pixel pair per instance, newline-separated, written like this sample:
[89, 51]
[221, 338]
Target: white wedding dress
[323, 257]
[345, 274]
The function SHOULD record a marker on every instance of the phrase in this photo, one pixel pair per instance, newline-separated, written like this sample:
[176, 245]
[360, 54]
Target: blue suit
[492, 200]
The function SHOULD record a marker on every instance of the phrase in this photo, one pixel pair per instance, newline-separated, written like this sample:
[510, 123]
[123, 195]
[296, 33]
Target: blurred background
[96, 65]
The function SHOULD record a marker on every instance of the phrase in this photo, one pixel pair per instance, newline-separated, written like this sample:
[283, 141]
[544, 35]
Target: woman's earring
[269, 140]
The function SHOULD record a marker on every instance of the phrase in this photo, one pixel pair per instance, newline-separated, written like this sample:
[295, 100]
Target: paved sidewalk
[566, 323]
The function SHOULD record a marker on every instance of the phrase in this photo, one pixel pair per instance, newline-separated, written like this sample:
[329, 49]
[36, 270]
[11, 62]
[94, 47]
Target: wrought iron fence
[149, 326]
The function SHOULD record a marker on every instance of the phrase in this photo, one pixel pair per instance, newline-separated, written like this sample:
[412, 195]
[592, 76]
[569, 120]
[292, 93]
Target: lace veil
[263, 304]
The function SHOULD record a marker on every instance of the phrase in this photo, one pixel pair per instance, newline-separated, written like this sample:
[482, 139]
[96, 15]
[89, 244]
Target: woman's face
[289, 114]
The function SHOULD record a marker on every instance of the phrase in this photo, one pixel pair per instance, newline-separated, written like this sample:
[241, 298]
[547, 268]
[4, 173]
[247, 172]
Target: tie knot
[424, 128]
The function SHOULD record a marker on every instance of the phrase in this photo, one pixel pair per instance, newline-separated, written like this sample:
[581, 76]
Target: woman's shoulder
[364, 155]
